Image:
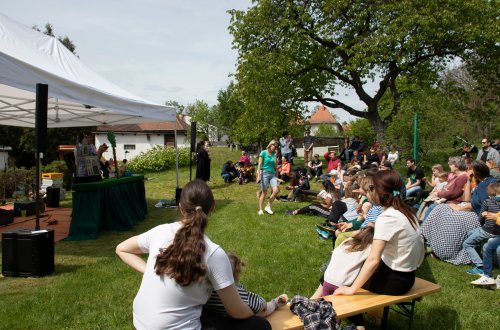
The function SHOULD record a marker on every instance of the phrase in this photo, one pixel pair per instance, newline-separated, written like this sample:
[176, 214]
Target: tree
[177, 105]
[326, 130]
[66, 41]
[297, 51]
[228, 110]
[201, 114]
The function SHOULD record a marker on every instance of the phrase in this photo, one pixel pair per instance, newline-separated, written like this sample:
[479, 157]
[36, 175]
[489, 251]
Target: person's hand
[424, 179]
[345, 291]
[489, 215]
[282, 300]
[454, 207]
[343, 226]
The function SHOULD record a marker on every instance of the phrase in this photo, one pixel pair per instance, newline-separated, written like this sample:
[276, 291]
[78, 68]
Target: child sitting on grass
[489, 229]
[215, 308]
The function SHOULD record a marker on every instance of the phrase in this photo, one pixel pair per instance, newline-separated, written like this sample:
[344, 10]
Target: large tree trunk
[378, 124]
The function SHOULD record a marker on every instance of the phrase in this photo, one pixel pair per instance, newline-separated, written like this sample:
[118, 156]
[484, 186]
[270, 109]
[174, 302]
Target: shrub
[159, 158]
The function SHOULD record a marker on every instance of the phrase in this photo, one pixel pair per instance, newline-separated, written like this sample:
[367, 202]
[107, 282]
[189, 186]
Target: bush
[159, 158]
[59, 166]
[20, 179]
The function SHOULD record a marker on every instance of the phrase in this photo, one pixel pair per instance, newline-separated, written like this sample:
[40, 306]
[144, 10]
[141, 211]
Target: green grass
[92, 289]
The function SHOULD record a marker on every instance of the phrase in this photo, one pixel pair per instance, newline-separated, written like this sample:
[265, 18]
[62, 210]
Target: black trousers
[228, 323]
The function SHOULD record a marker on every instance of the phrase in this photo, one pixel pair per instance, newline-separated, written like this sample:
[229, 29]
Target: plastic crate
[52, 175]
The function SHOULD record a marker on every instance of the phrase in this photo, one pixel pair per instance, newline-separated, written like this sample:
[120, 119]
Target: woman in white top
[397, 249]
[182, 269]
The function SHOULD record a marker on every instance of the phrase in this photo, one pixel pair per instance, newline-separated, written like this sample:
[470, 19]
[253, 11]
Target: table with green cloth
[111, 204]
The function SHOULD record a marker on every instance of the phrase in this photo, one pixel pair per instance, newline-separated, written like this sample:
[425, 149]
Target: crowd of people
[366, 208]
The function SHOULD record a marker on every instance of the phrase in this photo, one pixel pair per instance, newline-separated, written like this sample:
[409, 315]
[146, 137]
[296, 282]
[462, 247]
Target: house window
[129, 146]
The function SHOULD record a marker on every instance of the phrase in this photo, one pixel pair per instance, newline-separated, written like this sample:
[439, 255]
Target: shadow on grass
[425, 271]
[60, 269]
[443, 317]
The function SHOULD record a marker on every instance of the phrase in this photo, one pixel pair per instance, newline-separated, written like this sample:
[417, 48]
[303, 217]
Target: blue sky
[159, 50]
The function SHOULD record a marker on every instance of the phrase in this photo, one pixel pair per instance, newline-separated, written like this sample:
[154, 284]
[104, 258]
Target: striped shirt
[215, 307]
[491, 204]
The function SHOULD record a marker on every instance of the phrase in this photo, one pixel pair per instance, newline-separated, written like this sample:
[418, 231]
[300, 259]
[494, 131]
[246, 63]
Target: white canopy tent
[77, 95]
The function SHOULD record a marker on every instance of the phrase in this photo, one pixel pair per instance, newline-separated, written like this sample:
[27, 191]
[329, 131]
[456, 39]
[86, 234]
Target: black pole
[42, 93]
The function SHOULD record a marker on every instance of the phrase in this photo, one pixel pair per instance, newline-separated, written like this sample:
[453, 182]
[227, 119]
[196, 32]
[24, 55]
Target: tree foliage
[291, 51]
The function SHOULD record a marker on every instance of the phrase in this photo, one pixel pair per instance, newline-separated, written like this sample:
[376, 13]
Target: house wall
[4, 160]
[142, 143]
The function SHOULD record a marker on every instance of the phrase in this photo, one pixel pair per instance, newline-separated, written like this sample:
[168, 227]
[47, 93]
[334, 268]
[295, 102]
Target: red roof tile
[322, 116]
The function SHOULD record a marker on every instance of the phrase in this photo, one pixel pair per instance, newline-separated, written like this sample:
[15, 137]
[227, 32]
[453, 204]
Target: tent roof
[77, 95]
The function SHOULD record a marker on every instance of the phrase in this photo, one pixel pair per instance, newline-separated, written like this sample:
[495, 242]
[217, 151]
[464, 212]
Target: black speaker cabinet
[29, 206]
[28, 253]
[6, 217]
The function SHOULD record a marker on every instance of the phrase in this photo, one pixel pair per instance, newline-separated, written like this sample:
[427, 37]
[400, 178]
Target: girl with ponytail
[182, 268]
[397, 249]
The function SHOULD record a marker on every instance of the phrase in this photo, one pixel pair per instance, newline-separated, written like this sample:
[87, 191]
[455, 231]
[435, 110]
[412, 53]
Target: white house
[4, 157]
[132, 139]
[323, 116]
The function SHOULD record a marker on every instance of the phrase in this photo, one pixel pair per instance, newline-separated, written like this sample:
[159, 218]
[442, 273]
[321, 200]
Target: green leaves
[157, 159]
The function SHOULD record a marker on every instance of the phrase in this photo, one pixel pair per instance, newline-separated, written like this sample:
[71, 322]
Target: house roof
[161, 126]
[322, 116]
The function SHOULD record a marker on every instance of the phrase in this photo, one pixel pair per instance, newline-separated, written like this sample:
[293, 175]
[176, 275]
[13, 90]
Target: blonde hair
[272, 142]
[437, 167]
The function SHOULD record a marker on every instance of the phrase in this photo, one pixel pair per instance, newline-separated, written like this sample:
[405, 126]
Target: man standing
[487, 152]
[285, 145]
[415, 176]
[308, 147]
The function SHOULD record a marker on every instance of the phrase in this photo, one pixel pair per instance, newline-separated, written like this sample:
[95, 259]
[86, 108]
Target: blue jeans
[489, 249]
[227, 177]
[413, 191]
[268, 179]
[428, 211]
[474, 239]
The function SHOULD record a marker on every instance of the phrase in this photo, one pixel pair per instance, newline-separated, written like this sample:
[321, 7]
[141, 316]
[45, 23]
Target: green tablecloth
[112, 204]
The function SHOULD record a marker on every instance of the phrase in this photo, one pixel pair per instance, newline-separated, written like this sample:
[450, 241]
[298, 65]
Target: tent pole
[42, 94]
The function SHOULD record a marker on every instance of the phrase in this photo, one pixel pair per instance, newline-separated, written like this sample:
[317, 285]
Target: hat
[387, 164]
[334, 172]
[357, 167]
[297, 169]
[273, 142]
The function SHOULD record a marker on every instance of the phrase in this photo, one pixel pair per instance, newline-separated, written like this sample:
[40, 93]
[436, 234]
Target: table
[112, 204]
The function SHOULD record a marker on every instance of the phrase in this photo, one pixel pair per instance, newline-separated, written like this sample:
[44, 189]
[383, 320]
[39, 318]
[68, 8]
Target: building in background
[323, 116]
[133, 139]
[4, 157]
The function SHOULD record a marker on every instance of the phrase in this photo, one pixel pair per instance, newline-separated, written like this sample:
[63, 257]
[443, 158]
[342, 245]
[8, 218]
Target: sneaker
[484, 280]
[260, 212]
[475, 271]
[498, 282]
[268, 210]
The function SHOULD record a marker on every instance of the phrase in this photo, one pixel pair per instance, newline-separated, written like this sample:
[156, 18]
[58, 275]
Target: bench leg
[385, 317]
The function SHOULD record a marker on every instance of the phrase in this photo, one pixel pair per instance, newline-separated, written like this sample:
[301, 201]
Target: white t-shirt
[161, 303]
[404, 249]
[344, 265]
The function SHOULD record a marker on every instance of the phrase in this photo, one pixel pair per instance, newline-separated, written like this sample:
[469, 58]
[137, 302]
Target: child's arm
[273, 305]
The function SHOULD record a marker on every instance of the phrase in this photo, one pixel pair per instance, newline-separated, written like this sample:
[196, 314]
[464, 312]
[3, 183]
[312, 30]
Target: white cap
[334, 172]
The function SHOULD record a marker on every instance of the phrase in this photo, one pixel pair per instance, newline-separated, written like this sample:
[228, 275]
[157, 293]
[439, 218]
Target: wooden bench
[361, 302]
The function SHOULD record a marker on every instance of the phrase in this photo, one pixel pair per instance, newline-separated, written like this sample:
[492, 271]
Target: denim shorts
[267, 179]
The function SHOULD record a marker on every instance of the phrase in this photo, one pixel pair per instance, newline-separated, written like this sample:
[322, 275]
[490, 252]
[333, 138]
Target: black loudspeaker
[53, 196]
[42, 94]
[178, 192]
[193, 136]
[28, 253]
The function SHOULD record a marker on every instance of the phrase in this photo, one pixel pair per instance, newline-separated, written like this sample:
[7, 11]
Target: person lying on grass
[182, 269]
[215, 308]
[325, 198]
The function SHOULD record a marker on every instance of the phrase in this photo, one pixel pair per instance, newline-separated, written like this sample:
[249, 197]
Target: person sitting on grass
[315, 168]
[229, 172]
[215, 308]
[488, 230]
[284, 169]
[182, 269]
[293, 184]
[326, 197]
[443, 182]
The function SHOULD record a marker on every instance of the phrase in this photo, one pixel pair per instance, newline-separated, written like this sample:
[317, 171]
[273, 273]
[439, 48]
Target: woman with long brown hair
[397, 248]
[182, 268]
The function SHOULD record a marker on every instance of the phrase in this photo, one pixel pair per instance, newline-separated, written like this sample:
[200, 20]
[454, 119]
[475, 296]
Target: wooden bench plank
[358, 303]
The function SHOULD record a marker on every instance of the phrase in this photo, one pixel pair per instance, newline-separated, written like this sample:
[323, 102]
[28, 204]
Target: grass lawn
[92, 289]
